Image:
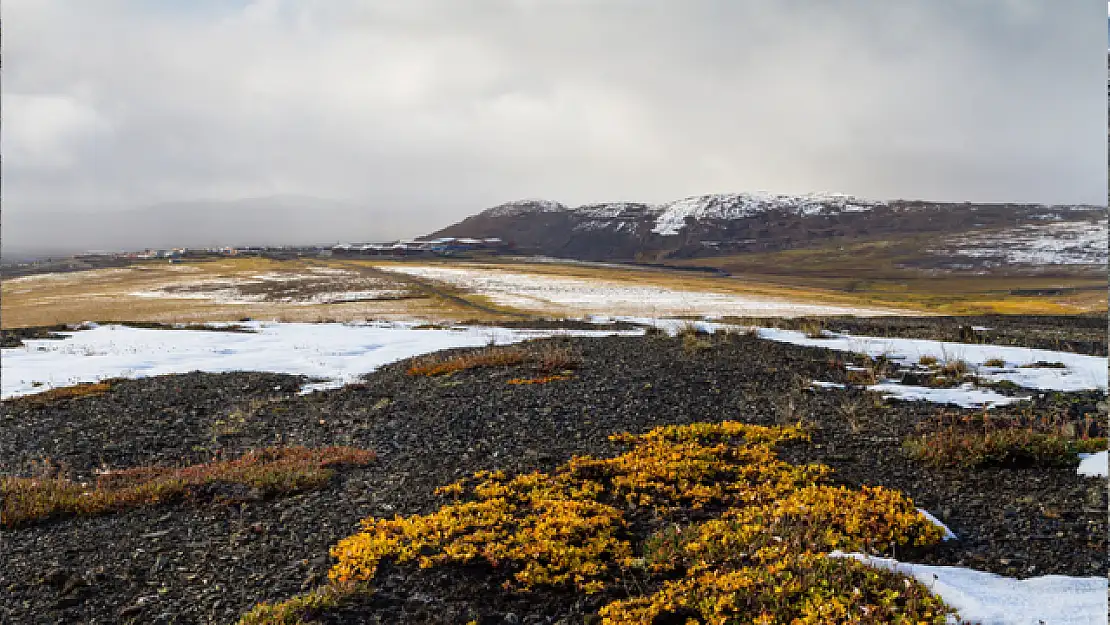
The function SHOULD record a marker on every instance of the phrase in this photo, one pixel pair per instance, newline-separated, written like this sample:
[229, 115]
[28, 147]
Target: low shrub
[953, 440]
[812, 329]
[693, 342]
[300, 609]
[763, 559]
[271, 470]
[1005, 448]
[861, 377]
[1090, 445]
[956, 368]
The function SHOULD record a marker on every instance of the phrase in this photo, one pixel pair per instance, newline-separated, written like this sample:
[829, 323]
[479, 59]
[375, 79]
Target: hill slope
[730, 224]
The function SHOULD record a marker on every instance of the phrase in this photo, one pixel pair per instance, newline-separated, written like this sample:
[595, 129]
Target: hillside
[736, 224]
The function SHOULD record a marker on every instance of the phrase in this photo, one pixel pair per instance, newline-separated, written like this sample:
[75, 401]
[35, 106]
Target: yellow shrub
[763, 560]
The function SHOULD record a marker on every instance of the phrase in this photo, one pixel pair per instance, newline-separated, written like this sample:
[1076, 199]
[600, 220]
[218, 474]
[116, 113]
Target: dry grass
[66, 393]
[660, 277]
[543, 357]
[956, 368]
[961, 440]
[271, 470]
[540, 380]
[694, 339]
[106, 296]
[864, 377]
[869, 273]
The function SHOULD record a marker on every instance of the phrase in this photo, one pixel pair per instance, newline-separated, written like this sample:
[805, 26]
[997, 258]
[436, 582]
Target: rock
[56, 577]
[68, 601]
[73, 583]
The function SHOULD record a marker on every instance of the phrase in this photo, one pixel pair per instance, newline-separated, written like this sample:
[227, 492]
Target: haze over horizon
[410, 116]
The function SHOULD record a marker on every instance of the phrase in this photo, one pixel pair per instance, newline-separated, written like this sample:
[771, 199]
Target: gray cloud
[438, 108]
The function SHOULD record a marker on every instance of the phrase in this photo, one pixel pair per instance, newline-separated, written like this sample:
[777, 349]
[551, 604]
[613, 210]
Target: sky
[430, 110]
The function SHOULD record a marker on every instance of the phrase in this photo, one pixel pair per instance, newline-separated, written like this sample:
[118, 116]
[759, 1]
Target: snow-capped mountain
[733, 223]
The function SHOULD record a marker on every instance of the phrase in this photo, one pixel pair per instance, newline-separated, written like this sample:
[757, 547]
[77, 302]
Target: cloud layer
[438, 108]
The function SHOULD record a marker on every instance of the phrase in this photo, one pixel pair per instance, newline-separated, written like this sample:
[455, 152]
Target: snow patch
[1093, 465]
[965, 396]
[577, 297]
[521, 207]
[336, 353]
[672, 217]
[1062, 243]
[991, 599]
[948, 534]
[1080, 372]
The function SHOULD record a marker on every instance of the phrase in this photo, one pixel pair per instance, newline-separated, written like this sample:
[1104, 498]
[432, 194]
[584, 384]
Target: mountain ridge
[730, 223]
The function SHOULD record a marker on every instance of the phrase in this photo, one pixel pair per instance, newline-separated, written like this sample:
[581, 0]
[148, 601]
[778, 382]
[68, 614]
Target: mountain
[277, 220]
[739, 223]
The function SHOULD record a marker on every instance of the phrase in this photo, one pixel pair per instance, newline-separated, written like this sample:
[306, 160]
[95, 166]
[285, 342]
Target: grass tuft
[540, 380]
[544, 357]
[67, 393]
[272, 470]
[956, 441]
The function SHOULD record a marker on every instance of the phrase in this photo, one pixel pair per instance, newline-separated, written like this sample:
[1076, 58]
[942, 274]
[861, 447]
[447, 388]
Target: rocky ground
[201, 562]
[1080, 334]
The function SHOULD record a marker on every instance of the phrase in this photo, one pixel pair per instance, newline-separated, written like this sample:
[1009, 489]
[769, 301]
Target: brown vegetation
[270, 471]
[543, 357]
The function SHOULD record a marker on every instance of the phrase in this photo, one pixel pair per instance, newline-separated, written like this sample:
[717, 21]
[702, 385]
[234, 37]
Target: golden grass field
[110, 294]
[871, 272]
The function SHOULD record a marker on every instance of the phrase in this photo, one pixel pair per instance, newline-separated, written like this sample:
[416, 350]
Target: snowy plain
[578, 296]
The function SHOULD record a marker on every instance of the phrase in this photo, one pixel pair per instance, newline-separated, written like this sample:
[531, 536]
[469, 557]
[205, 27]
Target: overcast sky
[438, 108]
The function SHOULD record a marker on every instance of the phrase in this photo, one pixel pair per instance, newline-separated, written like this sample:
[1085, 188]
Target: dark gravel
[14, 337]
[1080, 334]
[206, 563]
